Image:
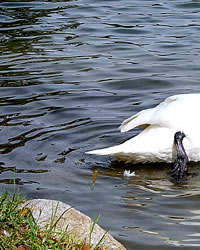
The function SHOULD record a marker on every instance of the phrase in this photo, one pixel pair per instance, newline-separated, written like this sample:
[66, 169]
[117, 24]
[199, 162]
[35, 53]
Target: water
[71, 72]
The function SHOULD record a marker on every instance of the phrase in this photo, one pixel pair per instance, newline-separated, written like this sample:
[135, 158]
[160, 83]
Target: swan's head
[179, 136]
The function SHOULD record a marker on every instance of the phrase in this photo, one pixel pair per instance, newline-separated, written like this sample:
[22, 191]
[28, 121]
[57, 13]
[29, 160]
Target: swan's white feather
[156, 142]
[128, 173]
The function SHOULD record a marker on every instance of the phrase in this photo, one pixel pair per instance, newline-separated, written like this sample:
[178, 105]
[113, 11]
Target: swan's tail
[111, 151]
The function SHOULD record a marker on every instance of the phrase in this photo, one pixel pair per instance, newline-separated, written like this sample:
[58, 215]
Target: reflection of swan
[156, 142]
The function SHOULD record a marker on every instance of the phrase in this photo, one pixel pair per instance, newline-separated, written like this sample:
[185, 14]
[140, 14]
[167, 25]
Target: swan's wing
[139, 119]
[157, 116]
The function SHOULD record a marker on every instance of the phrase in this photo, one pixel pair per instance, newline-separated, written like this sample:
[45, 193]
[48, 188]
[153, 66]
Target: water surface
[70, 73]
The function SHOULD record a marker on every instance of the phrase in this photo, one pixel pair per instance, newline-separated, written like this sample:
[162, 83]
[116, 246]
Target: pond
[70, 73]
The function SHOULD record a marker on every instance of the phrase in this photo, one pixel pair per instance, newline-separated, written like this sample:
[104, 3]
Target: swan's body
[156, 142]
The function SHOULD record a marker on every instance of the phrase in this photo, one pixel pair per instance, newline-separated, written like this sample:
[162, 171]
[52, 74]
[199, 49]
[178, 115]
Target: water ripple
[71, 72]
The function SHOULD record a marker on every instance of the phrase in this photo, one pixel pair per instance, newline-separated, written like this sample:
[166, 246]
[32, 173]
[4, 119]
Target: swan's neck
[181, 162]
[180, 149]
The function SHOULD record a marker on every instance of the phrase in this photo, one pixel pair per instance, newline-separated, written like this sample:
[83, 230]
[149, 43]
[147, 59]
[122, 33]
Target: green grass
[20, 231]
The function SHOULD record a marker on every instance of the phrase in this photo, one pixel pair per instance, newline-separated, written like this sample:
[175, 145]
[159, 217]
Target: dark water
[70, 73]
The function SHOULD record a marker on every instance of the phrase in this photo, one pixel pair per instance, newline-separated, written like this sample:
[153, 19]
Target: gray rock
[72, 221]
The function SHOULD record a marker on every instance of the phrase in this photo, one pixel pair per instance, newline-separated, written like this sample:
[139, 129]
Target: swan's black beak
[181, 162]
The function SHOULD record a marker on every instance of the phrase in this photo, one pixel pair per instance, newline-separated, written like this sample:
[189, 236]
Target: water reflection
[26, 29]
[17, 181]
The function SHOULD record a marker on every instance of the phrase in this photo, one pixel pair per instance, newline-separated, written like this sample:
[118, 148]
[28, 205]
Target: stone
[71, 221]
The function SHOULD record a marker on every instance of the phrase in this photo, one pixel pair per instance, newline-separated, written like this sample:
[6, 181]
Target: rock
[74, 221]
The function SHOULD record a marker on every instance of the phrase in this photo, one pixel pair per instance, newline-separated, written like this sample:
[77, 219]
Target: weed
[19, 229]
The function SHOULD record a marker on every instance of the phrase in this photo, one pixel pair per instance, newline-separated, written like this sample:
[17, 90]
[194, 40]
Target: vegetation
[19, 229]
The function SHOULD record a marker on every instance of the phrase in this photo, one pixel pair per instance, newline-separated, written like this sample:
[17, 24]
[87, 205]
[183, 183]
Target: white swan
[156, 142]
